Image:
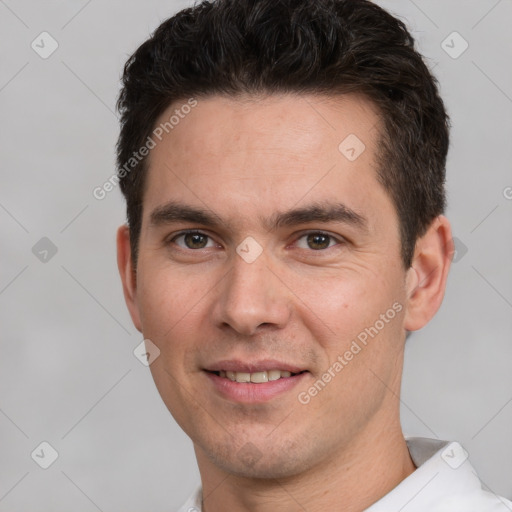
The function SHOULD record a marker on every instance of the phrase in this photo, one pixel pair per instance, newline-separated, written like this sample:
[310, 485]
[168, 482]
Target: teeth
[256, 377]
[243, 377]
[274, 374]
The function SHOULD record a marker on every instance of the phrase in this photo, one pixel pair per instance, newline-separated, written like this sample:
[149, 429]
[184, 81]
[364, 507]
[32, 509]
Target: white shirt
[444, 481]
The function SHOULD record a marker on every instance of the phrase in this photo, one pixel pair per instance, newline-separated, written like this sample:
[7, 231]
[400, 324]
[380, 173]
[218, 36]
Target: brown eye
[195, 240]
[318, 241]
[192, 240]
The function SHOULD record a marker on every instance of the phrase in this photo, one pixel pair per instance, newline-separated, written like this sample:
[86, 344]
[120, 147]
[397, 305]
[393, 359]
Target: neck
[351, 480]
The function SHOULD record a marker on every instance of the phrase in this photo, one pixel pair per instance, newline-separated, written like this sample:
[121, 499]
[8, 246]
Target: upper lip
[234, 365]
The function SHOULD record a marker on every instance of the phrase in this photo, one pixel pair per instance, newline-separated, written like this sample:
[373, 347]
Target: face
[268, 246]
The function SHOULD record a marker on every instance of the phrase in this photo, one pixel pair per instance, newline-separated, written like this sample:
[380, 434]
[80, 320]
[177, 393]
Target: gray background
[68, 375]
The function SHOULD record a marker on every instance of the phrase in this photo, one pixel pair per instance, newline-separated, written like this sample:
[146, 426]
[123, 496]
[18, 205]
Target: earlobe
[426, 279]
[128, 277]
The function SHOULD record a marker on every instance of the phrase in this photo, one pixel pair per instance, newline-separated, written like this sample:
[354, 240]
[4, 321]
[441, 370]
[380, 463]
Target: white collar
[444, 481]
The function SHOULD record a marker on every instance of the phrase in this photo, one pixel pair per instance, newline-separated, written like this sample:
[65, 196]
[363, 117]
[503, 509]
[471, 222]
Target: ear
[426, 279]
[128, 275]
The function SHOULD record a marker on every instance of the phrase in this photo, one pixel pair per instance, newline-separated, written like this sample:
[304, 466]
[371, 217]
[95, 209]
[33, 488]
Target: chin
[260, 470]
[259, 462]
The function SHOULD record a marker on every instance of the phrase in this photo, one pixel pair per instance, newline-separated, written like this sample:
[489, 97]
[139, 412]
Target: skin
[244, 160]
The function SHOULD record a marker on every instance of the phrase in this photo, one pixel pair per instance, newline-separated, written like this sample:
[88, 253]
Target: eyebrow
[174, 211]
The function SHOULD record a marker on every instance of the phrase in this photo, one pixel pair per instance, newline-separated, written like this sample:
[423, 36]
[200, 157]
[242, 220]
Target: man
[283, 164]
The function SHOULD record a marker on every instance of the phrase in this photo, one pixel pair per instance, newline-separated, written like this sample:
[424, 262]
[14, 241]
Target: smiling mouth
[255, 377]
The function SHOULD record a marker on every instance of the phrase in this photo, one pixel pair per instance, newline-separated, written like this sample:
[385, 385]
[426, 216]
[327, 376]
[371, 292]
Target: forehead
[289, 123]
[248, 157]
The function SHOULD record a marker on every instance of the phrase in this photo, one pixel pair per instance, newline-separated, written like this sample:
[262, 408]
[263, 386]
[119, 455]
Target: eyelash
[340, 241]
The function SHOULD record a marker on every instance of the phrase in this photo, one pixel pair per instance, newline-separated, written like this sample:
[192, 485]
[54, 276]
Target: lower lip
[249, 392]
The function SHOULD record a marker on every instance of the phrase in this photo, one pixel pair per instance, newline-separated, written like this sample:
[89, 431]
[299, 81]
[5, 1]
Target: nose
[252, 298]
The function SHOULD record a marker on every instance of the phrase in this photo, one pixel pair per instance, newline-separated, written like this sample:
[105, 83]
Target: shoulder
[458, 487]
[444, 481]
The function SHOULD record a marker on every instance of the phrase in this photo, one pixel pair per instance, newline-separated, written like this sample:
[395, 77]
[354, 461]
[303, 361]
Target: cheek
[172, 316]
[169, 300]
[339, 305]
[363, 336]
